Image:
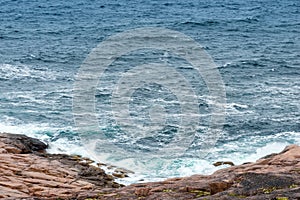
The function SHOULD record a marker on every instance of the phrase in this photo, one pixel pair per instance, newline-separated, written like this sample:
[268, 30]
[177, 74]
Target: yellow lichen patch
[269, 190]
[200, 193]
[282, 198]
[293, 186]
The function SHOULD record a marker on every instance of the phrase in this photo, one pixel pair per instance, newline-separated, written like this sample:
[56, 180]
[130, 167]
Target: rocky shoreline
[27, 171]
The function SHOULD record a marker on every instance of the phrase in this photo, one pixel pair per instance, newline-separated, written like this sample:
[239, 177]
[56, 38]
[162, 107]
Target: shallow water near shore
[255, 46]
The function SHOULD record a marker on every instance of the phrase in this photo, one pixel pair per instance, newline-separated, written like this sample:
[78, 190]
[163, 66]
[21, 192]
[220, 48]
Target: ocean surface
[254, 44]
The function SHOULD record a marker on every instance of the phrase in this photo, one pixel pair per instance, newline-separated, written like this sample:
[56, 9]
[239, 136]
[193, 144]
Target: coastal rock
[223, 163]
[275, 177]
[28, 172]
[14, 143]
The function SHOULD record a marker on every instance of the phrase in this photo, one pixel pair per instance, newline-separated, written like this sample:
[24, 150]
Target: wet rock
[223, 163]
[119, 175]
[101, 164]
[123, 171]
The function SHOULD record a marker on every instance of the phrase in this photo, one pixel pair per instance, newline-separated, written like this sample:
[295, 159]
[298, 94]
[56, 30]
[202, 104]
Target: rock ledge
[27, 171]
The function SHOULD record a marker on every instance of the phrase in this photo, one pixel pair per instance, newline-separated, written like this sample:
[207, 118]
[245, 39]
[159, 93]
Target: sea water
[254, 44]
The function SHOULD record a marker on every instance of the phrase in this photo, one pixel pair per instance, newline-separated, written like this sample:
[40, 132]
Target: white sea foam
[29, 130]
[232, 105]
[63, 145]
[237, 108]
[225, 65]
[245, 150]
[240, 157]
[12, 72]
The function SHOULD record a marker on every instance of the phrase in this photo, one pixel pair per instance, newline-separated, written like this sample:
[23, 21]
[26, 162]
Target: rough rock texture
[276, 177]
[27, 172]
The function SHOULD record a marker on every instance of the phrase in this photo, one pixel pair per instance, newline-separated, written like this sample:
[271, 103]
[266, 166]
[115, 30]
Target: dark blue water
[255, 44]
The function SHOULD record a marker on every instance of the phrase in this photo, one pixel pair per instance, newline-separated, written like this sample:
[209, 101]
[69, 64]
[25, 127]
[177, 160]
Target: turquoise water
[254, 44]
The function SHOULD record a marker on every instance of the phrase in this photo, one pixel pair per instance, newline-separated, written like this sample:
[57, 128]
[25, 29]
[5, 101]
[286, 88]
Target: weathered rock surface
[276, 177]
[27, 172]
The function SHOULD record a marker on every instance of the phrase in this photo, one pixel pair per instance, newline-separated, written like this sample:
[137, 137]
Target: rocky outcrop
[28, 172]
[276, 177]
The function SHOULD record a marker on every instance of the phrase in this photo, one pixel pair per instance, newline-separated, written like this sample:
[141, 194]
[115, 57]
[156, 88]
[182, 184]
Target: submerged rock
[28, 172]
[223, 163]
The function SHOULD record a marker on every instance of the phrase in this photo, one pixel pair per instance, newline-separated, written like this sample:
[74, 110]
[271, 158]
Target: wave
[236, 108]
[21, 72]
[204, 23]
[247, 20]
[240, 150]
